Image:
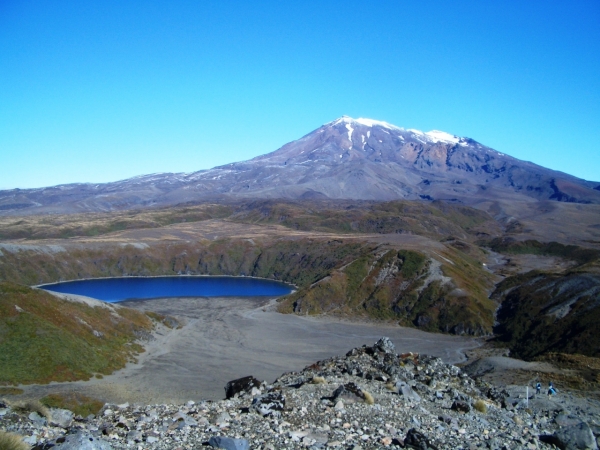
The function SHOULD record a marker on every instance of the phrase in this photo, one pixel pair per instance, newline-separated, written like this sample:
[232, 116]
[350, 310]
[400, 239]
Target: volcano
[359, 159]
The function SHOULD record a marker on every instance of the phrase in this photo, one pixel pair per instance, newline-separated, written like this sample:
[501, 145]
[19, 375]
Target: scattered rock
[271, 403]
[297, 413]
[349, 392]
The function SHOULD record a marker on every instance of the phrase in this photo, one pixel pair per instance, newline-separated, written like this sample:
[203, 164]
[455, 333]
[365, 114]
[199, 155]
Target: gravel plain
[227, 338]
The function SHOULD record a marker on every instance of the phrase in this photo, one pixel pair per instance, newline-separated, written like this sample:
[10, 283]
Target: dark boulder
[244, 384]
[461, 406]
[416, 439]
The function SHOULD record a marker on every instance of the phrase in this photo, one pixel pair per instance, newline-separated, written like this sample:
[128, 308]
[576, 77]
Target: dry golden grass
[29, 406]
[480, 406]
[11, 441]
[369, 400]
[318, 380]
[96, 224]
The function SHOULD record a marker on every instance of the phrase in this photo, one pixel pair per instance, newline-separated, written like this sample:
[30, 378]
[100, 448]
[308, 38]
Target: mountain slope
[343, 159]
[44, 338]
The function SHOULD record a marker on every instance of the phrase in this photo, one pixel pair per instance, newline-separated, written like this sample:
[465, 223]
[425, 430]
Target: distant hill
[359, 159]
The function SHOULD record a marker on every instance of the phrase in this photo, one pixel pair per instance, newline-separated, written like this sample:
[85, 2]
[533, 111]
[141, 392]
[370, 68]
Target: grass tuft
[29, 406]
[369, 400]
[318, 380]
[480, 406]
[11, 441]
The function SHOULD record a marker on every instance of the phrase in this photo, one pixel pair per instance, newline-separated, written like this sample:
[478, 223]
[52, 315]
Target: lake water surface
[119, 289]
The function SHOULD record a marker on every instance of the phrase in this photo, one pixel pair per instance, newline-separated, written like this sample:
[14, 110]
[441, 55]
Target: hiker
[551, 390]
[538, 388]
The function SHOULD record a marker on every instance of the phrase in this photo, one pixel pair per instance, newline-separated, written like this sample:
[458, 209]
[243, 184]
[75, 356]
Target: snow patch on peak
[378, 123]
[442, 136]
[436, 136]
[365, 122]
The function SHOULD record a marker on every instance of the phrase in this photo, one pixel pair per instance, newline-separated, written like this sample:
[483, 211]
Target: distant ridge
[362, 159]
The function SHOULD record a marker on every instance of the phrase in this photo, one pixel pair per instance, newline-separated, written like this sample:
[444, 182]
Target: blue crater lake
[118, 289]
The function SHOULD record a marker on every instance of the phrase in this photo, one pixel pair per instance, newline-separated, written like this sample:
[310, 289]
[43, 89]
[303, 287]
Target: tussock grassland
[404, 286]
[29, 406]
[78, 403]
[44, 338]
[548, 312]
[570, 252]
[58, 226]
[434, 219]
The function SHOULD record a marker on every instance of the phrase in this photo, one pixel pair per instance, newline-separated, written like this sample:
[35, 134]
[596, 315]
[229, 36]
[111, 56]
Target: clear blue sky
[103, 90]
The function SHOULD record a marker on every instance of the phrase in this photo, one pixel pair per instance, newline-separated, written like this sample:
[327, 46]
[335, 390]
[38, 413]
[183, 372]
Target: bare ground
[227, 338]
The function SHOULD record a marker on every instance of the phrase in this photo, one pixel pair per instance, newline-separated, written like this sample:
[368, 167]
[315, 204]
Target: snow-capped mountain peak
[364, 121]
[433, 136]
[363, 159]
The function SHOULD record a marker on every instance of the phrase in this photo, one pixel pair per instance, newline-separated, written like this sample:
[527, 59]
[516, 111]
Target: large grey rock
[576, 437]
[567, 420]
[61, 417]
[185, 419]
[228, 443]
[406, 391]
[37, 420]
[82, 441]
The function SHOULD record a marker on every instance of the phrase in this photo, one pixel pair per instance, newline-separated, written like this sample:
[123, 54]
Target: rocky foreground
[371, 398]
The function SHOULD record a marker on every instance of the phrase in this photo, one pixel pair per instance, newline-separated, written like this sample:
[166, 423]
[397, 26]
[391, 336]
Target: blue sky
[95, 91]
